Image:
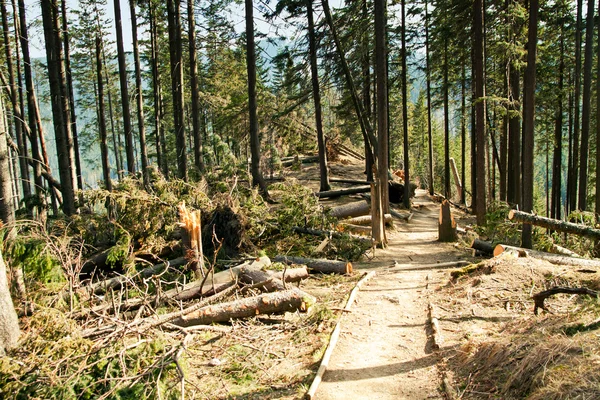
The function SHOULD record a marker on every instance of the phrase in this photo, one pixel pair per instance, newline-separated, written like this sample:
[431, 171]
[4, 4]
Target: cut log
[354, 209]
[349, 181]
[344, 192]
[446, 224]
[366, 220]
[556, 249]
[539, 298]
[318, 264]
[269, 303]
[436, 332]
[484, 247]
[404, 216]
[273, 280]
[364, 230]
[551, 258]
[554, 224]
[333, 234]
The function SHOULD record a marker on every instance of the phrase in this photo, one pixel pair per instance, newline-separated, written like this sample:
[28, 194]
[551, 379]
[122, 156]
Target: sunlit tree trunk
[428, 83]
[480, 203]
[555, 208]
[196, 112]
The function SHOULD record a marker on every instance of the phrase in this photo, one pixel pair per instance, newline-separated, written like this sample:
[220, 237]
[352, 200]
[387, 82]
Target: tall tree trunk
[312, 44]
[529, 120]
[463, 132]
[366, 89]
[176, 61]
[139, 95]
[597, 122]
[102, 117]
[586, 108]
[480, 203]
[129, 152]
[257, 178]
[379, 201]
[60, 104]
[513, 193]
[7, 210]
[19, 128]
[428, 78]
[196, 112]
[159, 130]
[447, 190]
[574, 173]
[406, 145]
[558, 130]
[73, 115]
[504, 139]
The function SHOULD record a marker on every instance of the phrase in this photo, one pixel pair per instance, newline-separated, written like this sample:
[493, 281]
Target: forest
[155, 145]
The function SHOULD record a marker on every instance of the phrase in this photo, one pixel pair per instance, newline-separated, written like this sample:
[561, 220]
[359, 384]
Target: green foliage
[30, 254]
[498, 228]
[299, 207]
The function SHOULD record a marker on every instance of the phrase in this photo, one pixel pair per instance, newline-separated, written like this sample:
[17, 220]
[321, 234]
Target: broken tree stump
[554, 224]
[269, 303]
[318, 264]
[446, 224]
[354, 209]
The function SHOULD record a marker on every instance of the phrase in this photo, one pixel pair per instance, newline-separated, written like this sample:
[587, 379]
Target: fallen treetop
[551, 258]
[554, 224]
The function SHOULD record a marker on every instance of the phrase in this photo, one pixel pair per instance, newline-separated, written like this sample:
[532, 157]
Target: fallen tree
[318, 264]
[485, 248]
[551, 258]
[540, 297]
[354, 209]
[269, 303]
[344, 192]
[366, 220]
[554, 224]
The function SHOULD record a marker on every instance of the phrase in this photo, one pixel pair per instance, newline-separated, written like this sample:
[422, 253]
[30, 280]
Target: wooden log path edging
[310, 394]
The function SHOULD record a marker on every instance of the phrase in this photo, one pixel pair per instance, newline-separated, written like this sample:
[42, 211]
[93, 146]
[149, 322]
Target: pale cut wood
[318, 264]
[551, 258]
[366, 220]
[446, 224]
[435, 327]
[354, 209]
[268, 303]
[554, 224]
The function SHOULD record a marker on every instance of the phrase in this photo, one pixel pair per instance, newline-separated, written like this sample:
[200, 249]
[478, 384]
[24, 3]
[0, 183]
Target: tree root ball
[226, 226]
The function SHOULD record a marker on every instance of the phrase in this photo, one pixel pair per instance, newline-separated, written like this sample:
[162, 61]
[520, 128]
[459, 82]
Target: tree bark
[586, 108]
[196, 112]
[139, 96]
[269, 303]
[446, 224]
[314, 72]
[481, 245]
[529, 121]
[539, 298]
[343, 192]
[555, 225]
[176, 62]
[257, 178]
[479, 193]
[366, 220]
[572, 187]
[102, 117]
[555, 208]
[354, 209]
[7, 209]
[9, 323]
[406, 144]
[318, 264]
[429, 106]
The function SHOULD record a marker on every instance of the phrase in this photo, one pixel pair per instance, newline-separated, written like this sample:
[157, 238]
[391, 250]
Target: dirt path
[384, 350]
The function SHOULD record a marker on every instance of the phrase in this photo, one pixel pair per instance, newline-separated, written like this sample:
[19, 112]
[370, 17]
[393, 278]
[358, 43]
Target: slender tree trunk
[312, 42]
[428, 78]
[406, 145]
[463, 133]
[19, 128]
[597, 122]
[366, 89]
[139, 95]
[196, 125]
[73, 115]
[257, 178]
[101, 117]
[176, 60]
[529, 120]
[379, 201]
[572, 179]
[504, 140]
[447, 190]
[558, 129]
[60, 104]
[124, 90]
[7, 210]
[480, 204]
[586, 108]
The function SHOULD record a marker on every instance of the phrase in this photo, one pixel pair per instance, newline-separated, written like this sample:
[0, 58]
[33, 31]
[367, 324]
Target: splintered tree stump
[269, 303]
[318, 264]
[447, 225]
[354, 209]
